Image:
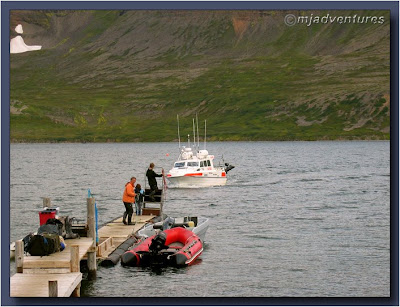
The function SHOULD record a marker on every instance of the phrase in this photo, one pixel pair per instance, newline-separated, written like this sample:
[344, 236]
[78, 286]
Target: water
[295, 219]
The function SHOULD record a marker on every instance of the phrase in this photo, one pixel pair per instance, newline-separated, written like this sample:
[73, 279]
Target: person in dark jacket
[139, 199]
[151, 176]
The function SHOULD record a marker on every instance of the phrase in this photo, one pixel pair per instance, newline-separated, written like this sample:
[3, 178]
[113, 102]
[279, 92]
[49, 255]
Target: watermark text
[291, 20]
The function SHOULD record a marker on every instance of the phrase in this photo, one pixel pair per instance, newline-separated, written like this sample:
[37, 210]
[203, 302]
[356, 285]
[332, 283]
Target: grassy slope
[247, 89]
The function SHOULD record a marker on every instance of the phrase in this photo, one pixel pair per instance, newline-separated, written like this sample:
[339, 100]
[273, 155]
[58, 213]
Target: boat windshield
[195, 164]
[179, 164]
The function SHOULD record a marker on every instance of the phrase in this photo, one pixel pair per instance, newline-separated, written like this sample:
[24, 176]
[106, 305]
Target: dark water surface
[295, 218]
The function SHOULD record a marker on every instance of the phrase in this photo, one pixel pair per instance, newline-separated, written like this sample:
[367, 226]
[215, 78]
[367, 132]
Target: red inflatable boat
[176, 246]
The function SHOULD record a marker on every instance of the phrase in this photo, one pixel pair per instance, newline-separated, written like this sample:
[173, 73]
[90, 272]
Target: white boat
[197, 225]
[197, 169]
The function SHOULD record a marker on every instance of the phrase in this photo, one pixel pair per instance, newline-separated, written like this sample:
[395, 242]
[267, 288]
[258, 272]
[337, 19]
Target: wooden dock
[58, 274]
[115, 233]
[29, 285]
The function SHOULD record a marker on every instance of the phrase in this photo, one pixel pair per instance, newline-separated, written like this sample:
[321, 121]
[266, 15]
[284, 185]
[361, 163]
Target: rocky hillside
[125, 75]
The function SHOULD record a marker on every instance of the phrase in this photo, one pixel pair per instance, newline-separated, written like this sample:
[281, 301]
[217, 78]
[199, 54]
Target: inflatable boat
[198, 224]
[171, 247]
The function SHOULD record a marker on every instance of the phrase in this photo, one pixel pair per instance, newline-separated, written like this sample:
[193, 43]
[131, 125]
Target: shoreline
[225, 141]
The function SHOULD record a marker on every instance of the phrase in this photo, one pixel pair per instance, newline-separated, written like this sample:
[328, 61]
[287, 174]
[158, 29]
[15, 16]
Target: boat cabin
[200, 160]
[195, 164]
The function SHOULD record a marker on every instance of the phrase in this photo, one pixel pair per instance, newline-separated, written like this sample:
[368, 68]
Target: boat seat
[169, 251]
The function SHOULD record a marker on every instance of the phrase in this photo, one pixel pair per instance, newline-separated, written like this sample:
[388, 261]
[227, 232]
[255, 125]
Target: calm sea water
[295, 218]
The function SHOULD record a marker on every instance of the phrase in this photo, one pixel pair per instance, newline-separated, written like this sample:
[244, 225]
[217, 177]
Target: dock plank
[120, 232]
[117, 229]
[59, 259]
[27, 285]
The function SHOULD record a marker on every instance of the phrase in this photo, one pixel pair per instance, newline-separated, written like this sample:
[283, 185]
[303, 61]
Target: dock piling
[46, 202]
[19, 256]
[91, 222]
[53, 288]
[75, 267]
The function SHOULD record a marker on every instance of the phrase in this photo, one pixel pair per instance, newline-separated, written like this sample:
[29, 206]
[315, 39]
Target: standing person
[139, 199]
[128, 199]
[151, 176]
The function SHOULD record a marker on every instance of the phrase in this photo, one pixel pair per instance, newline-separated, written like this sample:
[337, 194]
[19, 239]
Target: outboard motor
[228, 167]
[168, 223]
[158, 242]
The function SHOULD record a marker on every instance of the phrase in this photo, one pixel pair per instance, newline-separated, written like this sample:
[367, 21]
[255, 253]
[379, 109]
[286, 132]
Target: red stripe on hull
[194, 174]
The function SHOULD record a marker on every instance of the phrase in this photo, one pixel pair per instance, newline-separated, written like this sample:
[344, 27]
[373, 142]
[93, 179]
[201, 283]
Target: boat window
[201, 163]
[208, 163]
[193, 164]
[179, 164]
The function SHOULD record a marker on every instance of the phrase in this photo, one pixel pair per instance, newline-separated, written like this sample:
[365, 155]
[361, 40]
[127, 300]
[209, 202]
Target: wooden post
[46, 202]
[75, 267]
[19, 255]
[77, 291]
[91, 222]
[53, 288]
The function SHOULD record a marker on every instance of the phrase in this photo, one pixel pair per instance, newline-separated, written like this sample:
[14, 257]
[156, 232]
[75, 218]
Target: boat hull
[196, 181]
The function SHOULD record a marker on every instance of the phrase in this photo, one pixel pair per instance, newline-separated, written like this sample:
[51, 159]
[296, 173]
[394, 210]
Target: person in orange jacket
[129, 199]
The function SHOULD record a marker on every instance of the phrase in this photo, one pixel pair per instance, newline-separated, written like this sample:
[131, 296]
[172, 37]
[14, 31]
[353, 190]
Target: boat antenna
[194, 136]
[198, 136]
[188, 141]
[179, 136]
[205, 132]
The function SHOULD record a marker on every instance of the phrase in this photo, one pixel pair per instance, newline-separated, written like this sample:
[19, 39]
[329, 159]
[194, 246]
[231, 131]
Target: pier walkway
[59, 274]
[115, 233]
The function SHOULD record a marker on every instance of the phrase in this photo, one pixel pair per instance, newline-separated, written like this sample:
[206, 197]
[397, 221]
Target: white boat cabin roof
[188, 159]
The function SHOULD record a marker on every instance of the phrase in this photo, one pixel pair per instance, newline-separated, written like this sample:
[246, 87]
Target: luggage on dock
[46, 214]
[68, 228]
[53, 226]
[53, 239]
[27, 240]
[42, 244]
[64, 227]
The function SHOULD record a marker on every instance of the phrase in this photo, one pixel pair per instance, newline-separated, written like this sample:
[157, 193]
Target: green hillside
[124, 76]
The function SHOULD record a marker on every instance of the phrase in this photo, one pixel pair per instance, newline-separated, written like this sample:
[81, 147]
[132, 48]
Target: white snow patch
[17, 45]
[18, 29]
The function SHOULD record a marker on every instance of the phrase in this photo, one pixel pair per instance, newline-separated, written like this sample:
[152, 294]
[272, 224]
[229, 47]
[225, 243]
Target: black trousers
[128, 212]
[153, 190]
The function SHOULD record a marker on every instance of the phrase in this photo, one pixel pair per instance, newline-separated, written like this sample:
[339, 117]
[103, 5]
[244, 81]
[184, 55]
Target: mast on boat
[205, 132]
[179, 137]
[194, 136]
[198, 135]
[195, 126]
